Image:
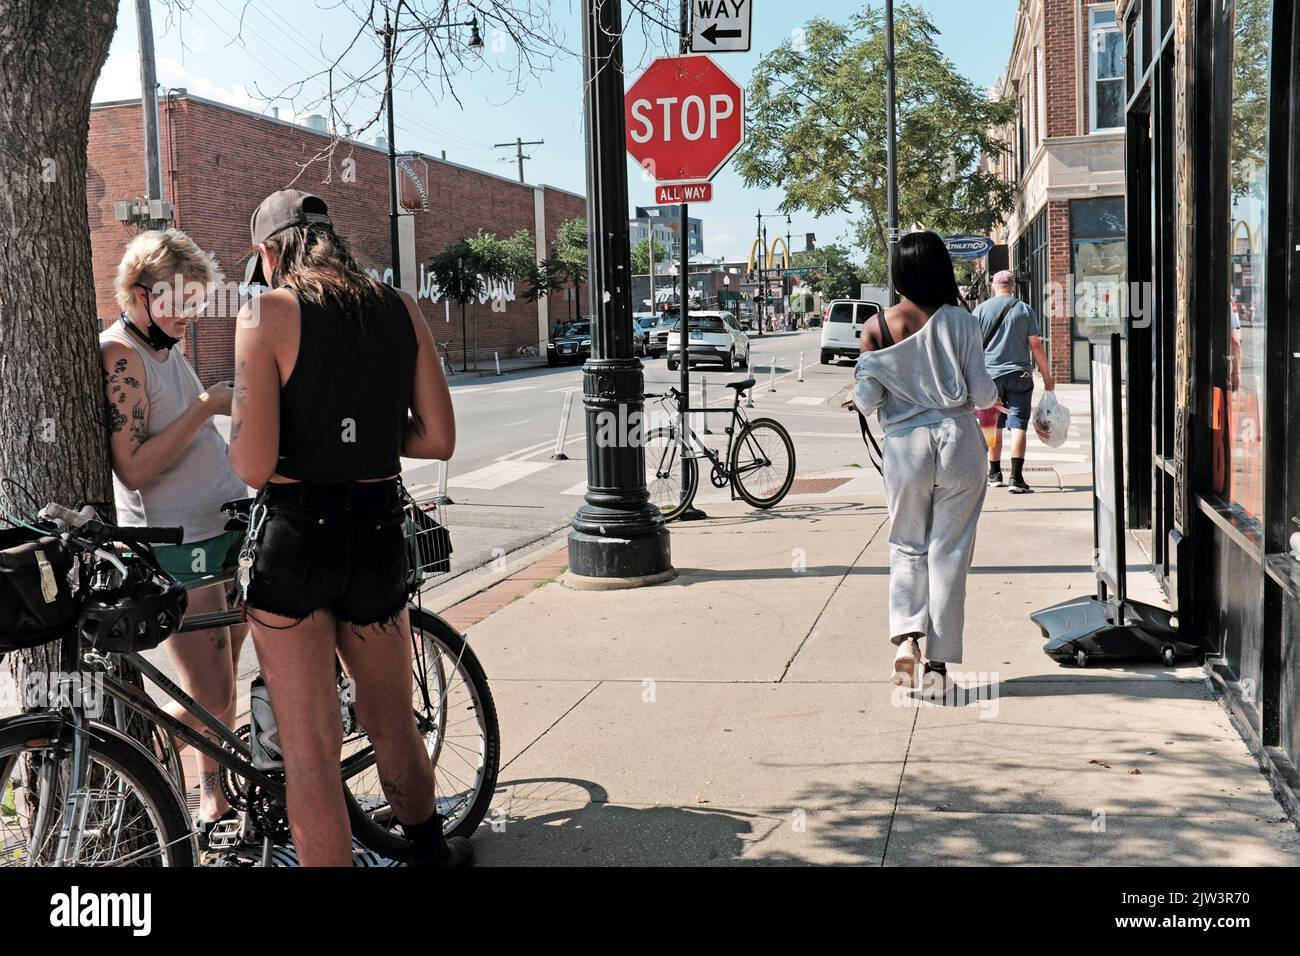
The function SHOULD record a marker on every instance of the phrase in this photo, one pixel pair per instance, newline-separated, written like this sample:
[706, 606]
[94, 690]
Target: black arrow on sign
[711, 33]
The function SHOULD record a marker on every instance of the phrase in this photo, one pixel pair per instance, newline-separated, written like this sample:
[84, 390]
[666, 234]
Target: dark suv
[570, 343]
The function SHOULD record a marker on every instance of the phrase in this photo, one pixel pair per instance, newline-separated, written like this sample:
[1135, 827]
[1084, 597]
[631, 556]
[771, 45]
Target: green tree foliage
[831, 271]
[641, 256]
[1250, 100]
[816, 118]
[465, 268]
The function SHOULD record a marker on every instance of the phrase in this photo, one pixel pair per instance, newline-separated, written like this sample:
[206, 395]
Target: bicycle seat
[742, 386]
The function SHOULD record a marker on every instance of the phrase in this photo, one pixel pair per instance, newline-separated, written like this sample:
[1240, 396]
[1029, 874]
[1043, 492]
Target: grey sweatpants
[935, 482]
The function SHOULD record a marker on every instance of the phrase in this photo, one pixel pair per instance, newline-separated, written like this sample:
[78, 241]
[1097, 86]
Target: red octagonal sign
[685, 118]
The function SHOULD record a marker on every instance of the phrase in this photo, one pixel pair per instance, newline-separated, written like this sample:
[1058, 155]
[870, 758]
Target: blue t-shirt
[1009, 350]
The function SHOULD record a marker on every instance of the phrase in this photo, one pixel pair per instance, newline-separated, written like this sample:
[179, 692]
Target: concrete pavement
[742, 713]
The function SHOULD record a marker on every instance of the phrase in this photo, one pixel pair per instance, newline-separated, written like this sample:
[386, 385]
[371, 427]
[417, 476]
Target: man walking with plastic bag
[1012, 344]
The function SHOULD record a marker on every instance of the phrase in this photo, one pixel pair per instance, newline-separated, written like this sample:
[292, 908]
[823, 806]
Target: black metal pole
[464, 338]
[762, 284]
[891, 159]
[619, 537]
[390, 32]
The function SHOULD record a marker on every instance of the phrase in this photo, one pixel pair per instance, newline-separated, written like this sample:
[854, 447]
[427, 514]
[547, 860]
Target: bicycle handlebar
[94, 530]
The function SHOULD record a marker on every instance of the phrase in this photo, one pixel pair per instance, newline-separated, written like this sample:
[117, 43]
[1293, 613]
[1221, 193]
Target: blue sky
[281, 42]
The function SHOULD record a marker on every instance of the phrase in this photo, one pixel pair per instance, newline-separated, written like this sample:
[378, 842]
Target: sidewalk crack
[551, 726]
[835, 590]
[898, 794]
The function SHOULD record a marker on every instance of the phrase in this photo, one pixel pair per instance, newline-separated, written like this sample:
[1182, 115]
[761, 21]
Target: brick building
[1066, 76]
[219, 162]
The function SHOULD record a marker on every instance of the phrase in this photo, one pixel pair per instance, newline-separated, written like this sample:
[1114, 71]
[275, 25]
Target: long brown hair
[317, 263]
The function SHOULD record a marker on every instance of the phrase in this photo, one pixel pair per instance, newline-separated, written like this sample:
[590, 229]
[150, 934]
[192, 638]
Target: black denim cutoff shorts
[339, 547]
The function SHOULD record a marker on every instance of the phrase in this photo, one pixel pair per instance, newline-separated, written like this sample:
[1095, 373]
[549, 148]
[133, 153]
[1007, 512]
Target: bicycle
[106, 793]
[758, 462]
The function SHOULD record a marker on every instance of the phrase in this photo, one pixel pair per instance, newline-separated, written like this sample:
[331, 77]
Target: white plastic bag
[1051, 421]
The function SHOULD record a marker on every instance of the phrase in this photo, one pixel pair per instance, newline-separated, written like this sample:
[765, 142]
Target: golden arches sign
[757, 250]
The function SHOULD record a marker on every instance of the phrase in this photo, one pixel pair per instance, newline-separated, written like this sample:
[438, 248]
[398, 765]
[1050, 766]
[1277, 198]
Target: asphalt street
[507, 492]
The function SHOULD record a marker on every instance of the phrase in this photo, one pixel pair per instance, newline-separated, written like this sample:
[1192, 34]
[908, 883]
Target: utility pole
[149, 102]
[519, 145]
[390, 38]
[619, 538]
[762, 284]
[891, 145]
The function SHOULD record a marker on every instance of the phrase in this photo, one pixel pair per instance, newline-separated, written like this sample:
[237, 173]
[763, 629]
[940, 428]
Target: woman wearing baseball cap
[336, 378]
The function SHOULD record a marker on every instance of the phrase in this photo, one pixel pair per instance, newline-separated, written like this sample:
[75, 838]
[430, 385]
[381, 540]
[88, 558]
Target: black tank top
[343, 411]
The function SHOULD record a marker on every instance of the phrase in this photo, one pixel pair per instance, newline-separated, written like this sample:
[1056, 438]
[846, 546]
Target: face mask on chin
[155, 338]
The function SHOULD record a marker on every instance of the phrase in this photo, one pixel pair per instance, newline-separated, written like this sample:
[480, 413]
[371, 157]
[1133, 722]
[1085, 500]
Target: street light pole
[891, 145]
[762, 285]
[619, 538]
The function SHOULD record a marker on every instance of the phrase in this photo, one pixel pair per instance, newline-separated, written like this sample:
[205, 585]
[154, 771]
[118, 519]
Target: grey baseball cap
[279, 211]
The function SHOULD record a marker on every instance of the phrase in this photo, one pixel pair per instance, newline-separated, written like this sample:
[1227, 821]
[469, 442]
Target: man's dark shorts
[1016, 392]
[336, 547]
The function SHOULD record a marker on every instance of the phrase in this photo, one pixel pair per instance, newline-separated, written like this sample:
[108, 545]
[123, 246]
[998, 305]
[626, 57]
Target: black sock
[1017, 468]
[995, 468]
[427, 842]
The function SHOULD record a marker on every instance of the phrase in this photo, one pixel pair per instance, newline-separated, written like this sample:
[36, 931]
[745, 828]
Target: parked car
[658, 333]
[643, 324]
[715, 337]
[842, 325]
[570, 343]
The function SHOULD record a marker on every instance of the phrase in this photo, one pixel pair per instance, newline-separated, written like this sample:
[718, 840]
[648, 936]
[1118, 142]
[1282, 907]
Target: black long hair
[923, 271]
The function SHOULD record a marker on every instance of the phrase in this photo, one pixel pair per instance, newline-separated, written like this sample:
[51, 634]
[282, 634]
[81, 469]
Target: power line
[519, 145]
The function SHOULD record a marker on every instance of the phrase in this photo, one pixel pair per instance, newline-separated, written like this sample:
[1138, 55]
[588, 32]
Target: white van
[842, 324]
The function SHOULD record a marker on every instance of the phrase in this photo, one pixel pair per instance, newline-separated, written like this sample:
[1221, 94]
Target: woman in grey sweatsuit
[924, 377]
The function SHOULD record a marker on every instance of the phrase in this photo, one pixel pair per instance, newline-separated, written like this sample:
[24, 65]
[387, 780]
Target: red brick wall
[227, 161]
[1059, 56]
[1058, 267]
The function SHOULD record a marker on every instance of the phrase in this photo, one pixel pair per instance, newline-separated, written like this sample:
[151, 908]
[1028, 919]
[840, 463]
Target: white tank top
[190, 493]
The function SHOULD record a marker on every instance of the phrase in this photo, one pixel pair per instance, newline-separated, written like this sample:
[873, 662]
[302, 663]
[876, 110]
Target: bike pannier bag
[39, 601]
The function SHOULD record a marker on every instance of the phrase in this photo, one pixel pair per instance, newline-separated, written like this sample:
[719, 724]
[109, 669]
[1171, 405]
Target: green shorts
[200, 559]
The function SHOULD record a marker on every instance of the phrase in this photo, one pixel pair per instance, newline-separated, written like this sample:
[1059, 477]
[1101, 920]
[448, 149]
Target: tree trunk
[53, 441]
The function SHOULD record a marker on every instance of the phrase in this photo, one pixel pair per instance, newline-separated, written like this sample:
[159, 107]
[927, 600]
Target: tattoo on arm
[139, 430]
[121, 388]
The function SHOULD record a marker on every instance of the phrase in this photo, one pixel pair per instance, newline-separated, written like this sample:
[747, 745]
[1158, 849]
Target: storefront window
[1107, 70]
[1098, 263]
[1238, 399]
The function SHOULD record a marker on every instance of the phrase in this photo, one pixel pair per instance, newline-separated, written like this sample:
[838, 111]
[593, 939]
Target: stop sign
[685, 118]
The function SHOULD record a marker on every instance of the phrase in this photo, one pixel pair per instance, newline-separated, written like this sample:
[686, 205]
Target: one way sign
[721, 26]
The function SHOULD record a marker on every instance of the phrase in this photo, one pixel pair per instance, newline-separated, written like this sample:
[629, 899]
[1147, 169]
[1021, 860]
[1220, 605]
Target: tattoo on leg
[208, 783]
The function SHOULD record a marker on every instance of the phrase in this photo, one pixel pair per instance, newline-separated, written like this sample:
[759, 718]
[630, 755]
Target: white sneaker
[907, 664]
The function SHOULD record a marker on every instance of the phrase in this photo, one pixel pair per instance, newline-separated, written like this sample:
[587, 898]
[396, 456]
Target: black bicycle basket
[428, 543]
[40, 589]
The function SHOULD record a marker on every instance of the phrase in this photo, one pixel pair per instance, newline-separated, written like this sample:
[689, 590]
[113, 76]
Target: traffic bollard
[704, 402]
[564, 429]
[771, 374]
[801, 366]
[442, 497]
[496, 356]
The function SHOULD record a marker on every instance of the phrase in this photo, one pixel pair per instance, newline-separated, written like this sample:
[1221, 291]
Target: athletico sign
[968, 247]
[685, 119]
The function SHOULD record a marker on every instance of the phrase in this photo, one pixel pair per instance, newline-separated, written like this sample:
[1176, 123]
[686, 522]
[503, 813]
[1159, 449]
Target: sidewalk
[742, 713]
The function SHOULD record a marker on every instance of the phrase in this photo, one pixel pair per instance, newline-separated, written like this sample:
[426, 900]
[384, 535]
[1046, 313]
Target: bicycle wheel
[458, 721]
[762, 463]
[670, 478]
[129, 814]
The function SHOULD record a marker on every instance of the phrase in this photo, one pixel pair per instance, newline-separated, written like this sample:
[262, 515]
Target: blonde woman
[170, 464]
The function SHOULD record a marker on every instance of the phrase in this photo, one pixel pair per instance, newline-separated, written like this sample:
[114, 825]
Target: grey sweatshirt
[936, 373]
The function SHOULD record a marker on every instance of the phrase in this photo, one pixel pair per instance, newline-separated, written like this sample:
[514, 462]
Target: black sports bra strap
[886, 336]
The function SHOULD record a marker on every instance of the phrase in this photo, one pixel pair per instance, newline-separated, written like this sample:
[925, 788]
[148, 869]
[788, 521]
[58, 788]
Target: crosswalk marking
[497, 474]
[805, 400]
